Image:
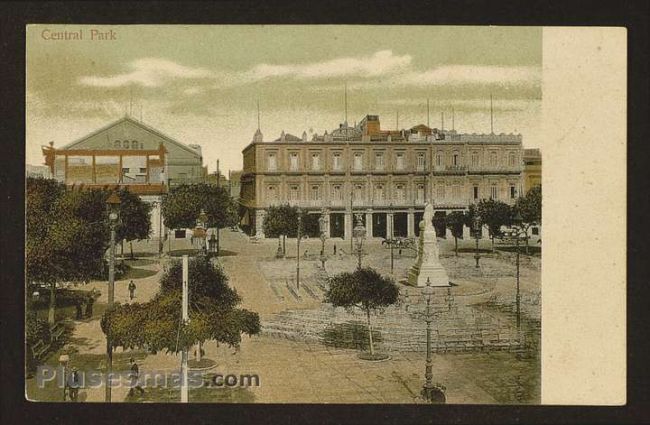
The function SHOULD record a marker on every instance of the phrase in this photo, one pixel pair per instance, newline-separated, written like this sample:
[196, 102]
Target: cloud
[468, 74]
[380, 63]
[459, 75]
[148, 72]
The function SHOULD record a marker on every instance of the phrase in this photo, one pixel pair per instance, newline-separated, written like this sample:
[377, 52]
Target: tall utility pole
[298, 249]
[491, 116]
[442, 121]
[428, 115]
[218, 174]
[113, 201]
[392, 233]
[185, 318]
[453, 124]
[346, 105]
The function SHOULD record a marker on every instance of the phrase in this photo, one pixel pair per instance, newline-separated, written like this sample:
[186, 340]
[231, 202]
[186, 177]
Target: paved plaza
[296, 363]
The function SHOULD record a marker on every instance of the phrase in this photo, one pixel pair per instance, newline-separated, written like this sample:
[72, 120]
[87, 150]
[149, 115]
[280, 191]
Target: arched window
[141, 145]
[455, 159]
[126, 144]
[118, 144]
[511, 159]
[439, 159]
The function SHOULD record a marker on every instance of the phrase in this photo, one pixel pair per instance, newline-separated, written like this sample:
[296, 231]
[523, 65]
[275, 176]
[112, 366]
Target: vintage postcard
[310, 214]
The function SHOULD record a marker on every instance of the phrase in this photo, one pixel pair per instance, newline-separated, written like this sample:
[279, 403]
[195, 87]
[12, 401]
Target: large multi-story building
[532, 175]
[127, 153]
[387, 176]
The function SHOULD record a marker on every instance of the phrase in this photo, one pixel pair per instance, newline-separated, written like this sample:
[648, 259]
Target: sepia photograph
[284, 214]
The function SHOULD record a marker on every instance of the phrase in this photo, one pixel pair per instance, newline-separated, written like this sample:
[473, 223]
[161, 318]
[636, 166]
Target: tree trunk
[122, 248]
[284, 245]
[50, 314]
[372, 348]
[218, 242]
[527, 253]
[493, 250]
[131, 243]
[198, 352]
[456, 243]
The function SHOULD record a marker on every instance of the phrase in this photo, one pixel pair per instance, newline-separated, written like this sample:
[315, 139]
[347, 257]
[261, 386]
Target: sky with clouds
[201, 84]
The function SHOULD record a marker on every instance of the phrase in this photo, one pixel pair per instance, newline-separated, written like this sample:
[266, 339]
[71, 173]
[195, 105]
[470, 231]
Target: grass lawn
[51, 391]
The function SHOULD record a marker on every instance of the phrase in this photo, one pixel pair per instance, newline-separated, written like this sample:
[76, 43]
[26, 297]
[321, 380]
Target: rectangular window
[493, 159]
[272, 193]
[293, 161]
[179, 234]
[293, 192]
[535, 231]
[474, 159]
[456, 192]
[358, 192]
[125, 171]
[143, 170]
[399, 192]
[399, 161]
[273, 164]
[439, 159]
[441, 192]
[420, 162]
[511, 159]
[336, 163]
[379, 161]
[358, 162]
[420, 193]
[337, 192]
[379, 192]
[475, 192]
[513, 192]
[493, 192]
[315, 161]
[315, 193]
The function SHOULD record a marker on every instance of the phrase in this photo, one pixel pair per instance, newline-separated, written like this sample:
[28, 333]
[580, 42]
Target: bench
[39, 349]
[56, 331]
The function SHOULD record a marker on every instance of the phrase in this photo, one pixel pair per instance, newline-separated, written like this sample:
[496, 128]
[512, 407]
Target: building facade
[130, 154]
[387, 176]
[532, 175]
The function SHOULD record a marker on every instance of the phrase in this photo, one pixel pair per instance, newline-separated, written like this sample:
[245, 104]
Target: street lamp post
[477, 231]
[392, 232]
[359, 233]
[113, 202]
[201, 226]
[298, 249]
[322, 222]
[430, 392]
[518, 231]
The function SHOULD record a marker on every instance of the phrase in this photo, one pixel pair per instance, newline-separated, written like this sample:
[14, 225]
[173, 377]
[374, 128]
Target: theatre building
[384, 175]
[129, 154]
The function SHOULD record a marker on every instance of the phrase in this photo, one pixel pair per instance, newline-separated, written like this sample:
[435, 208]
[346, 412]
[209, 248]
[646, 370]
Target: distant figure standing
[89, 306]
[135, 376]
[132, 290]
[334, 249]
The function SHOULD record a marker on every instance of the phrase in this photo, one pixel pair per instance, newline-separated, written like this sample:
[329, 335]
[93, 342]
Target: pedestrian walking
[132, 290]
[135, 376]
[89, 306]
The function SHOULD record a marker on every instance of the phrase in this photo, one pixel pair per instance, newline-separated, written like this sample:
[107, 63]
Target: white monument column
[410, 222]
[428, 266]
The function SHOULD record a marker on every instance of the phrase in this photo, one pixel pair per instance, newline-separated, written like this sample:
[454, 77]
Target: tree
[365, 289]
[183, 205]
[530, 209]
[494, 214]
[67, 235]
[455, 223]
[156, 324]
[282, 220]
[135, 223]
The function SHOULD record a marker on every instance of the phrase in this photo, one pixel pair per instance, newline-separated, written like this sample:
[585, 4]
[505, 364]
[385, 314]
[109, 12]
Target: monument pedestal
[428, 266]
